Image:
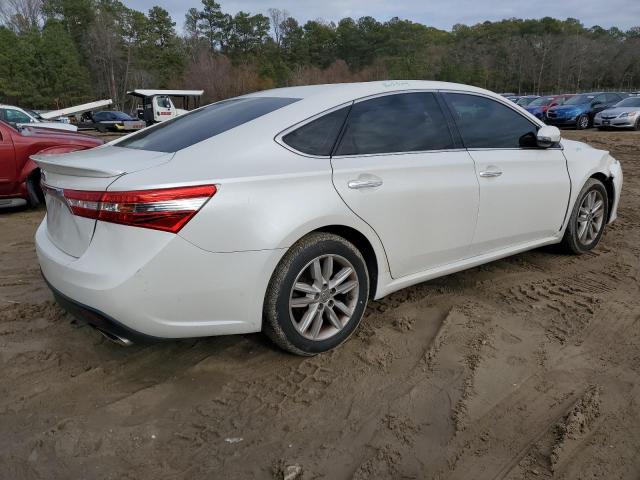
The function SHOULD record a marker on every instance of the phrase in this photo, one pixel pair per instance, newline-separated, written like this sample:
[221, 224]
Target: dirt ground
[525, 368]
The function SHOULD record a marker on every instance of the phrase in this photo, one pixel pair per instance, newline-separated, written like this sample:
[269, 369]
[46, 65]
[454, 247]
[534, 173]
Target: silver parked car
[624, 114]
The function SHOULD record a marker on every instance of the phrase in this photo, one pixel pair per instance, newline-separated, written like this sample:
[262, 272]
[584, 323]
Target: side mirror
[597, 104]
[548, 136]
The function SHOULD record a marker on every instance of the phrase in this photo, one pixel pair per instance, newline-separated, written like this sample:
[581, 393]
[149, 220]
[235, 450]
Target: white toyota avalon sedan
[285, 211]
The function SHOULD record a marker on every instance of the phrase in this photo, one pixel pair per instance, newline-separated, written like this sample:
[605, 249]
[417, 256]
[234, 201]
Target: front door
[163, 108]
[397, 168]
[524, 190]
[8, 173]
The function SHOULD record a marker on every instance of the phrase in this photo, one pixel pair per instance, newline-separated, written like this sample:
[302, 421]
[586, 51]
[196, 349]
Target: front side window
[613, 97]
[16, 116]
[486, 123]
[163, 102]
[599, 99]
[318, 136]
[407, 122]
[206, 122]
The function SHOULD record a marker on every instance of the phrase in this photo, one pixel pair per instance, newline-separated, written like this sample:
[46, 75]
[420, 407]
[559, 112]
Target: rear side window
[486, 123]
[207, 122]
[407, 122]
[318, 136]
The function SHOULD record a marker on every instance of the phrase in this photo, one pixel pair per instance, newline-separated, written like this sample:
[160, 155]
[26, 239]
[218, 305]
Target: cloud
[437, 13]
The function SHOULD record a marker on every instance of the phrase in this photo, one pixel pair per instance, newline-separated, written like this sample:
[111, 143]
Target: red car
[19, 175]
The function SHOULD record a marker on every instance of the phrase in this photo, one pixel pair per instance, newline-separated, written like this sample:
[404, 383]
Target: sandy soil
[525, 368]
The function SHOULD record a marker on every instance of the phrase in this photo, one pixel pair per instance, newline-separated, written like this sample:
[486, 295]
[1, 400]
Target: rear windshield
[204, 123]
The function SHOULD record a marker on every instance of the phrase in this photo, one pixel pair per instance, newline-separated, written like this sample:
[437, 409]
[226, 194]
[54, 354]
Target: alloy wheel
[584, 121]
[590, 217]
[323, 297]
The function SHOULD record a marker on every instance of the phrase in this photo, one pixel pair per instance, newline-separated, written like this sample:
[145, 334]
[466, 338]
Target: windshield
[525, 101]
[579, 99]
[542, 101]
[629, 102]
[33, 114]
[206, 122]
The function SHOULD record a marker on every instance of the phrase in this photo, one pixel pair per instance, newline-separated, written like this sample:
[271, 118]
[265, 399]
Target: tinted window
[485, 123]
[319, 136]
[207, 122]
[100, 116]
[408, 122]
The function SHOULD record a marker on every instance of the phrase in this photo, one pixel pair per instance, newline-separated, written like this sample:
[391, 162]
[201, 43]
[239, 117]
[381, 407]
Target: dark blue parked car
[580, 109]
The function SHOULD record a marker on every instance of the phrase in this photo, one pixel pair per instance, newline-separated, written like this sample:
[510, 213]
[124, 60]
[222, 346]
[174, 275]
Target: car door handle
[490, 173]
[364, 183]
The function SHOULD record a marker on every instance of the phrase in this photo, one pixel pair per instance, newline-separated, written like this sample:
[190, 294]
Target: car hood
[570, 108]
[618, 110]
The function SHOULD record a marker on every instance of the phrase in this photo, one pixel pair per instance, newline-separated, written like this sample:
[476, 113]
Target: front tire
[34, 192]
[588, 218]
[636, 126]
[317, 295]
[582, 122]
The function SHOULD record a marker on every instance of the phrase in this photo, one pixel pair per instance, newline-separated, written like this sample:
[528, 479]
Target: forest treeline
[56, 53]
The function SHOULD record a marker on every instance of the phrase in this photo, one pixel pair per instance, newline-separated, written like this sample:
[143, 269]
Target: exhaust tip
[125, 342]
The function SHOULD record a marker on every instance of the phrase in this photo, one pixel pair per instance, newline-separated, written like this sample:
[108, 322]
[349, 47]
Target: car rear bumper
[155, 284]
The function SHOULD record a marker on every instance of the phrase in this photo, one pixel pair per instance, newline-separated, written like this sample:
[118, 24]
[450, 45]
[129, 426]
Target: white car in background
[23, 117]
[287, 210]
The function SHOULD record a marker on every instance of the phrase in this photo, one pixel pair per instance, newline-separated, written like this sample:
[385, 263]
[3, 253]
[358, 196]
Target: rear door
[524, 190]
[397, 167]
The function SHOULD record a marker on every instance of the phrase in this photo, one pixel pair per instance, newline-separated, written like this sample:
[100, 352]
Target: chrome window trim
[534, 121]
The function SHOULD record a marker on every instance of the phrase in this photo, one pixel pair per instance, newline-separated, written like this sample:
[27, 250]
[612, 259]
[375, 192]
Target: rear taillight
[166, 209]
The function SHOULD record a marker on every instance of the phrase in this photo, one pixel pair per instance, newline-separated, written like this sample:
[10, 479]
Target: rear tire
[582, 122]
[317, 295]
[588, 218]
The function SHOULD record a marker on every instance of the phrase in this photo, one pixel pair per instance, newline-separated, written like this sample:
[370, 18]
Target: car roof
[363, 89]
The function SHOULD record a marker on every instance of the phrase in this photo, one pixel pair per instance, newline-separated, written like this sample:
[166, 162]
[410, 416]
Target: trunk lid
[86, 170]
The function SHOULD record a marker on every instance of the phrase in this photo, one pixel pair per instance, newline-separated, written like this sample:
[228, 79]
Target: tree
[21, 15]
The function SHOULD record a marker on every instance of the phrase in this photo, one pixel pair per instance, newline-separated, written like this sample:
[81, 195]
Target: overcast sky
[438, 13]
